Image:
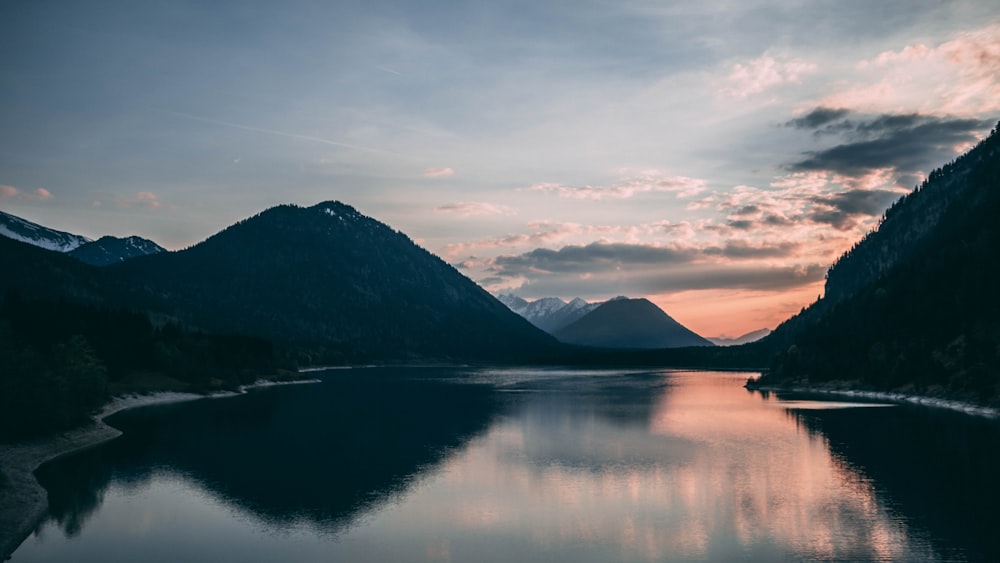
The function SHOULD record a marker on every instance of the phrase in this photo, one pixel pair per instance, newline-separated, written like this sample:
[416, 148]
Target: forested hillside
[915, 304]
[60, 360]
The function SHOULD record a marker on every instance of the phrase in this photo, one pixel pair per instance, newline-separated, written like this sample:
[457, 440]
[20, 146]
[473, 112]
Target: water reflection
[501, 465]
[285, 454]
[940, 470]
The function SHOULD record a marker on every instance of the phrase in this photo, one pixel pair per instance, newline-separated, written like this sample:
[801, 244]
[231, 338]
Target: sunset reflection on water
[604, 466]
[703, 471]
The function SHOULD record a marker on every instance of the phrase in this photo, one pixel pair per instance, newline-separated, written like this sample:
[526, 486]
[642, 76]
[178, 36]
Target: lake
[456, 464]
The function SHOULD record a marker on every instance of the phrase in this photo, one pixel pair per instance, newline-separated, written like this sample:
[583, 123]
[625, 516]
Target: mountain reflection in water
[506, 464]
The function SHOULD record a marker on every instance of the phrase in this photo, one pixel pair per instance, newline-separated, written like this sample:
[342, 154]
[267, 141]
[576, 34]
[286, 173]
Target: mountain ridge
[20, 229]
[629, 323]
[332, 277]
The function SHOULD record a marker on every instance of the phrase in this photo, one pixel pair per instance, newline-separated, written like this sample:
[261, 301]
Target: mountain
[572, 312]
[914, 304]
[629, 323]
[111, 250]
[334, 282]
[12, 226]
[513, 302]
[548, 313]
[751, 336]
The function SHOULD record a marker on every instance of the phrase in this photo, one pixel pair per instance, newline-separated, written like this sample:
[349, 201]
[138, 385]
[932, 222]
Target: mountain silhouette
[629, 323]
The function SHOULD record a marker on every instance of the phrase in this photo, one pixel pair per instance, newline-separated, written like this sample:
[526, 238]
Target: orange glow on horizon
[733, 313]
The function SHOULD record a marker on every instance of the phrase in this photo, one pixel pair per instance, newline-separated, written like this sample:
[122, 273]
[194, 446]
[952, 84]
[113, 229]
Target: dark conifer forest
[914, 306]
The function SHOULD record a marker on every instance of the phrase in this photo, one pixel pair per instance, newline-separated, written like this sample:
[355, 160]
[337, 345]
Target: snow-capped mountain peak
[111, 250]
[12, 226]
[548, 313]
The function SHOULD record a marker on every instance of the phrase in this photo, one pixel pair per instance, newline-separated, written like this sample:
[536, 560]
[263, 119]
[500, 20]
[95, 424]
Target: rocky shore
[842, 389]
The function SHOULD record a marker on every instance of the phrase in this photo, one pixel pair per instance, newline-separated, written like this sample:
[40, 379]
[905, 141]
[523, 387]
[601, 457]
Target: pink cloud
[957, 77]
[474, 208]
[438, 172]
[646, 182]
[141, 199]
[763, 73]
[10, 192]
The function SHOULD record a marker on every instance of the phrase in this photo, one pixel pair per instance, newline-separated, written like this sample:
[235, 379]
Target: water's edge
[23, 500]
[901, 398]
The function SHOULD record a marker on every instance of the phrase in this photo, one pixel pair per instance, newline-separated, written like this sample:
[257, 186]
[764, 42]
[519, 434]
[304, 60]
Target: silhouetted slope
[629, 323]
[46, 274]
[913, 304]
[111, 250]
[334, 281]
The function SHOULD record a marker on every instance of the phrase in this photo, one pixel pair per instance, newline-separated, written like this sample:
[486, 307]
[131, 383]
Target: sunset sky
[714, 157]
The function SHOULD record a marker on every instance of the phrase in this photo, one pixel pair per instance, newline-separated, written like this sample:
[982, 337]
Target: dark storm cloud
[738, 249]
[747, 210]
[859, 202]
[843, 210]
[817, 118]
[592, 257]
[742, 224]
[684, 277]
[905, 142]
[637, 269]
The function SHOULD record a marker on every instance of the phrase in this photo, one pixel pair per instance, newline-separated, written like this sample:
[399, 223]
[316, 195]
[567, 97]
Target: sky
[714, 157]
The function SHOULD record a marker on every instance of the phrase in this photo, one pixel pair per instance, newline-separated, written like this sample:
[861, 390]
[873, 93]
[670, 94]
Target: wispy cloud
[285, 134]
[955, 77]
[647, 182]
[10, 192]
[763, 73]
[142, 199]
[438, 172]
[474, 208]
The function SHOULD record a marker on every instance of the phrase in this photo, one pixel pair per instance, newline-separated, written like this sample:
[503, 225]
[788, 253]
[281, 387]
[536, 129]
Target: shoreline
[23, 500]
[970, 409]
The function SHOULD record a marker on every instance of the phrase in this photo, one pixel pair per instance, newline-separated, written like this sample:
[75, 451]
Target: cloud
[906, 143]
[592, 257]
[544, 233]
[474, 208]
[842, 210]
[741, 249]
[547, 233]
[641, 269]
[750, 277]
[141, 199]
[765, 72]
[817, 117]
[438, 172]
[646, 182]
[10, 192]
[957, 76]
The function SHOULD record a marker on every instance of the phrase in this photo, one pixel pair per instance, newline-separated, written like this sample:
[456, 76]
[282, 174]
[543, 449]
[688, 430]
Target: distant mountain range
[111, 250]
[101, 252]
[747, 338]
[617, 323]
[913, 305]
[548, 313]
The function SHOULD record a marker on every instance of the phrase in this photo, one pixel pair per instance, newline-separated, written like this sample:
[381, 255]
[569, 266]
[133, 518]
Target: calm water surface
[526, 465]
